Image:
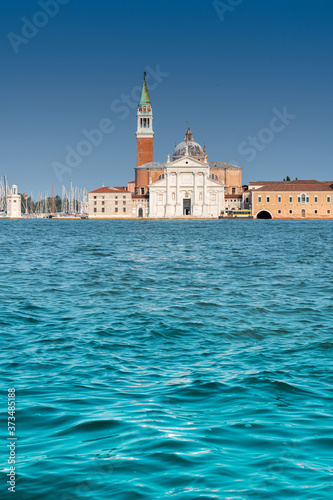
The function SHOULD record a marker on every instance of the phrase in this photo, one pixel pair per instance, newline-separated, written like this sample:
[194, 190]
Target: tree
[57, 203]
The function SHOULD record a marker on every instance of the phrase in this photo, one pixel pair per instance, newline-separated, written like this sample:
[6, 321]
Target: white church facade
[186, 189]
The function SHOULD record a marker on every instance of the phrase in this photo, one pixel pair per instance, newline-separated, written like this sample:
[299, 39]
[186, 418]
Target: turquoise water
[168, 359]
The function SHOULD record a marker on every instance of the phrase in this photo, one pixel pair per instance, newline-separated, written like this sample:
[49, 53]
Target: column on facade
[178, 209]
[177, 189]
[194, 189]
[169, 208]
[204, 188]
[167, 188]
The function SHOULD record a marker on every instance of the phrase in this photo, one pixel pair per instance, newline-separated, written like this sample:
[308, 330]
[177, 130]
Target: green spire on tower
[144, 99]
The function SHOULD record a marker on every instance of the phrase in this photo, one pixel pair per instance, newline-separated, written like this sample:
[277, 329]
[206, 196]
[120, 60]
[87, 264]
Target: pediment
[214, 183]
[187, 162]
[159, 183]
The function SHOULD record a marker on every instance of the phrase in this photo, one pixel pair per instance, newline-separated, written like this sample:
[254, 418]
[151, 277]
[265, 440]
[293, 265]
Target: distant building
[188, 185]
[299, 199]
[110, 202]
[14, 204]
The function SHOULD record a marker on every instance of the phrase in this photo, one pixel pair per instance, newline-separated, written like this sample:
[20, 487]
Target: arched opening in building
[263, 214]
[303, 213]
[140, 212]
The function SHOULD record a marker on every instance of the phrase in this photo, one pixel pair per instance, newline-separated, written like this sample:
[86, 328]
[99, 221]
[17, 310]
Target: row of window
[116, 210]
[300, 199]
[116, 202]
[315, 212]
[103, 197]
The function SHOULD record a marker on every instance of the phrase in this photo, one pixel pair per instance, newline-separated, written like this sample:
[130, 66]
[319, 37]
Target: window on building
[298, 199]
[124, 202]
[279, 199]
[140, 150]
[233, 190]
[259, 199]
[142, 190]
[116, 209]
[316, 199]
[290, 199]
[279, 211]
[290, 211]
[95, 202]
[328, 212]
[268, 199]
[316, 211]
[308, 199]
[141, 160]
[103, 202]
[124, 209]
[247, 200]
[116, 197]
[95, 209]
[103, 209]
[328, 199]
[95, 197]
[303, 198]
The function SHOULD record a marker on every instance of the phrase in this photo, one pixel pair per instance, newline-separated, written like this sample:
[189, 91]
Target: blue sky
[228, 68]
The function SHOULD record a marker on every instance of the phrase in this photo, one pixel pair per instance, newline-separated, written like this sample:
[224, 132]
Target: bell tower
[144, 133]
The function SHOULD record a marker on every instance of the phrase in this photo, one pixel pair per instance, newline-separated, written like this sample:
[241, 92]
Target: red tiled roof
[143, 196]
[233, 196]
[297, 186]
[110, 189]
[259, 183]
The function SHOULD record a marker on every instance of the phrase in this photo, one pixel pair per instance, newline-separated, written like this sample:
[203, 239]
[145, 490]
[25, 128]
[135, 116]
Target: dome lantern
[188, 148]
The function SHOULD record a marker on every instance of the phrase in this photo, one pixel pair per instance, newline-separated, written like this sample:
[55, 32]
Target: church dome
[194, 149]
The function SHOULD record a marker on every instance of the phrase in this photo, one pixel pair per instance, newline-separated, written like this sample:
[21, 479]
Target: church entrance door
[187, 207]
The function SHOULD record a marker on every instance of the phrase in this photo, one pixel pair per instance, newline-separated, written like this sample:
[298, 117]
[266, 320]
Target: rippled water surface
[169, 359]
